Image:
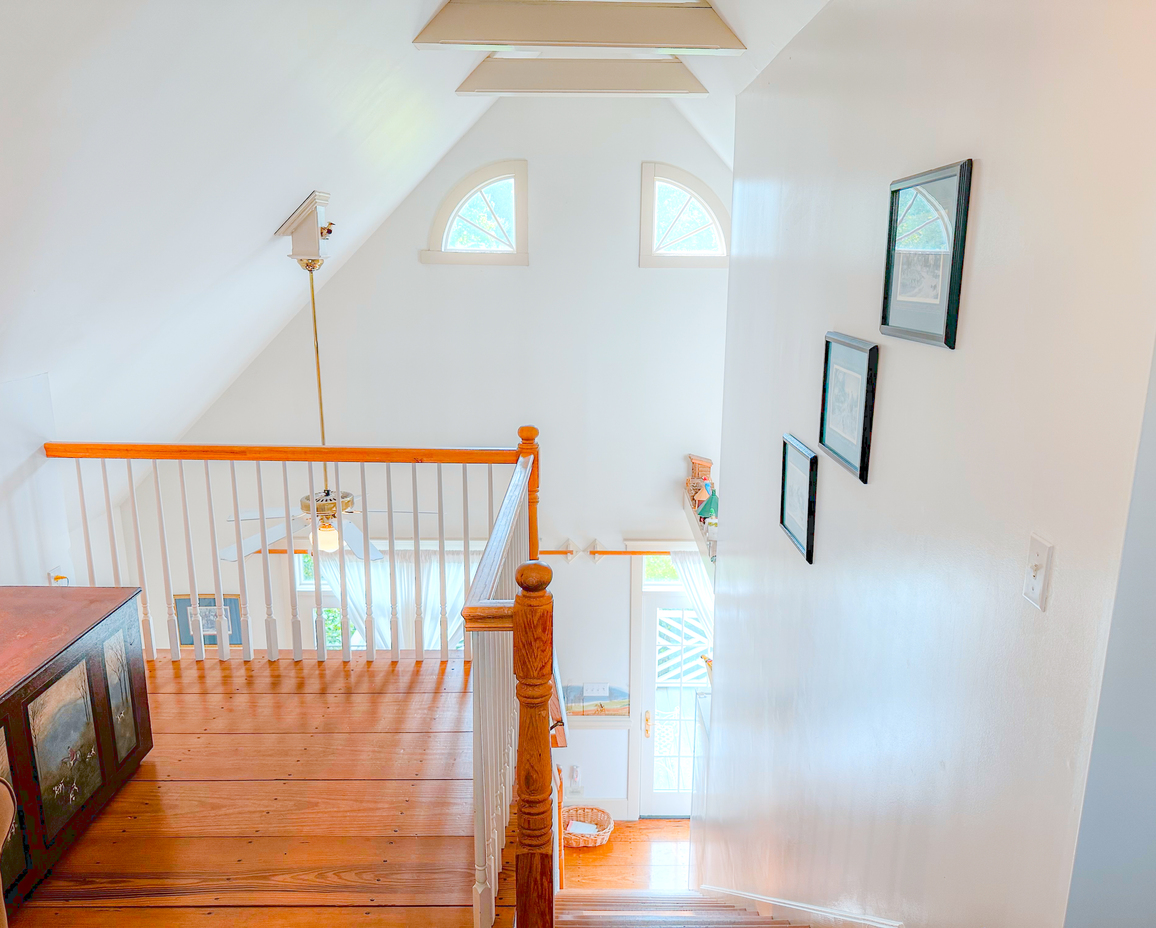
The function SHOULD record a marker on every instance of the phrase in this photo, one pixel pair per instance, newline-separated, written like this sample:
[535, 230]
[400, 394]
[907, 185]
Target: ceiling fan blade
[253, 542]
[356, 541]
[252, 515]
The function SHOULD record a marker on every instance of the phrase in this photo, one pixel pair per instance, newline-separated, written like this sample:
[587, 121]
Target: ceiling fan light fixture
[327, 537]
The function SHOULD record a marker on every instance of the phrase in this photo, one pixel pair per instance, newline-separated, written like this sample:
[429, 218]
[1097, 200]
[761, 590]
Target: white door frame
[634, 742]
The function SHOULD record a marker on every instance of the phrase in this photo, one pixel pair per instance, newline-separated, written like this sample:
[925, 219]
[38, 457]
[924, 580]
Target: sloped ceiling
[150, 148]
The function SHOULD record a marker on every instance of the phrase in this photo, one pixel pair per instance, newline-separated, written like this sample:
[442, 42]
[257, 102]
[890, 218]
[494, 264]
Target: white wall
[1116, 855]
[33, 518]
[620, 367]
[896, 731]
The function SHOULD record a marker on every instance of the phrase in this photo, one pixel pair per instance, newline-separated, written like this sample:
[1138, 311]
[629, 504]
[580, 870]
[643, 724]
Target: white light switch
[595, 690]
[1038, 572]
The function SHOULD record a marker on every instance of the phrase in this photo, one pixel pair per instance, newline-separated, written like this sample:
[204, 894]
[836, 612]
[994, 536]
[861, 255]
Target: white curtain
[431, 610]
[696, 581]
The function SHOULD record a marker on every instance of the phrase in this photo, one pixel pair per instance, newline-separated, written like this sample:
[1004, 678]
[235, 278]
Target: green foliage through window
[658, 570]
[683, 225]
[485, 220]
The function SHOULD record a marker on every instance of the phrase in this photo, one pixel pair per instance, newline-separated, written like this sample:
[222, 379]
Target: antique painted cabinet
[74, 717]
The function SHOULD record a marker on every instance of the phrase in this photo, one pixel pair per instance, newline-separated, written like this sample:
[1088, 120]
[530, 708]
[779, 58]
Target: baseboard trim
[833, 916]
[616, 807]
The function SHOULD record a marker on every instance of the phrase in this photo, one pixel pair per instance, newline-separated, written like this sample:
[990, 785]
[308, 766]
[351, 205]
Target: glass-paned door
[674, 640]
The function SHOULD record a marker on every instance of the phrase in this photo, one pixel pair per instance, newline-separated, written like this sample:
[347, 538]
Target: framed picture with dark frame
[925, 238]
[797, 502]
[850, 367]
[207, 609]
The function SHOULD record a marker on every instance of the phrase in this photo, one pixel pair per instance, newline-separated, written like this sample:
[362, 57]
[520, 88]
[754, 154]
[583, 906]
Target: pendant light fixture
[310, 233]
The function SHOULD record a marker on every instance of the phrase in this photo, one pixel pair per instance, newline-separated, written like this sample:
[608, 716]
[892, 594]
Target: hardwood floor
[282, 795]
[649, 854]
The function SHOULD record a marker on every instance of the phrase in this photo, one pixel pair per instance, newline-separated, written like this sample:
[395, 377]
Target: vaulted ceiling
[150, 148]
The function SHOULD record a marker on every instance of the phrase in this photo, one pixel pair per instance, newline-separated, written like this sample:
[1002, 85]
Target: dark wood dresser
[74, 717]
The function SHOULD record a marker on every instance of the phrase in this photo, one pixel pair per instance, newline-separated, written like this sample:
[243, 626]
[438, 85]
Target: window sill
[689, 261]
[505, 259]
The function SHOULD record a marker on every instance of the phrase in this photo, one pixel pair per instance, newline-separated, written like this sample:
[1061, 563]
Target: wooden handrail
[314, 453]
[481, 612]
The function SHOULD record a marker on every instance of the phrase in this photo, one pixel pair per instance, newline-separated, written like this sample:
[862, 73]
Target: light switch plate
[1038, 572]
[595, 690]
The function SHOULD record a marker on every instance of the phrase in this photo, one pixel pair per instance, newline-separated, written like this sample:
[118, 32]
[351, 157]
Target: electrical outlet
[57, 577]
[595, 690]
[1038, 572]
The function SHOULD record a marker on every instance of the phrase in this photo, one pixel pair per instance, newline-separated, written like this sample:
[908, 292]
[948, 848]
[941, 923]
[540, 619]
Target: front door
[673, 673]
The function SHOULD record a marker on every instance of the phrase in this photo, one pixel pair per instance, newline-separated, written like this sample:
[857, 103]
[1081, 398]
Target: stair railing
[510, 615]
[171, 519]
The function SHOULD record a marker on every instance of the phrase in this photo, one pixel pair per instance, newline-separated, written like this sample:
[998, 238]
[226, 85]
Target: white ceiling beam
[508, 25]
[632, 77]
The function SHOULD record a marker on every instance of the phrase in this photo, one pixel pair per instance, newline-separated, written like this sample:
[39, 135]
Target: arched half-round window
[684, 223]
[483, 220]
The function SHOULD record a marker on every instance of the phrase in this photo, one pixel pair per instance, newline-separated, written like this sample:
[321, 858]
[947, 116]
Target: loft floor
[283, 795]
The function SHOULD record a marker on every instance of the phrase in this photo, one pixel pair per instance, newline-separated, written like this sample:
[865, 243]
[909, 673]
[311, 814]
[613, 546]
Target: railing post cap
[534, 576]
[528, 433]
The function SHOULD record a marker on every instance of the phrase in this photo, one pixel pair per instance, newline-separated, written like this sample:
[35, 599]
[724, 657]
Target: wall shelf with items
[700, 503]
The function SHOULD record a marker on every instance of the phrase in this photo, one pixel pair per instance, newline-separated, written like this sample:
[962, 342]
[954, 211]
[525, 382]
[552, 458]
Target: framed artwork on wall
[850, 366]
[797, 502]
[925, 238]
[207, 609]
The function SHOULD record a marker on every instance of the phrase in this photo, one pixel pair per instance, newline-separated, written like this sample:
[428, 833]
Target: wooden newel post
[529, 445]
[533, 666]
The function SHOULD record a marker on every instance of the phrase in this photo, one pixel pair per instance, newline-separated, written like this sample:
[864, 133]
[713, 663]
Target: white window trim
[652, 171]
[479, 178]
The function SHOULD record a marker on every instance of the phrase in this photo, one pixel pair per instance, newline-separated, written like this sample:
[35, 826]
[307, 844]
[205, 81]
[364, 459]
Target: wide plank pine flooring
[282, 795]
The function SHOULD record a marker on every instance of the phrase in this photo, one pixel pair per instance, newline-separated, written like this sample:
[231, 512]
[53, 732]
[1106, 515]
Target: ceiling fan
[328, 538]
[310, 233]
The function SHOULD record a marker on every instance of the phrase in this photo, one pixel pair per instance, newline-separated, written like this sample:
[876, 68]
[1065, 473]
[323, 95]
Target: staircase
[585, 908]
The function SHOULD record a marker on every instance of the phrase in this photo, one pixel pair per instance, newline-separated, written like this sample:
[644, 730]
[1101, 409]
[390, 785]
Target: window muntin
[485, 220]
[683, 221]
[683, 224]
[679, 674]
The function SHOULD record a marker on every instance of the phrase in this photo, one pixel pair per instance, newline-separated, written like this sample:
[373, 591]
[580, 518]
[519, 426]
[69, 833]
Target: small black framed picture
[797, 504]
[850, 367]
[925, 239]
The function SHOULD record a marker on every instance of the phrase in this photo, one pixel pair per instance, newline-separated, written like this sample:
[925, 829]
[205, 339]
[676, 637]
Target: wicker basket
[592, 816]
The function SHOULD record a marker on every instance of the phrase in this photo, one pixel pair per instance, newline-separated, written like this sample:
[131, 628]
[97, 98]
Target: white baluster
[394, 625]
[319, 642]
[224, 626]
[467, 578]
[418, 629]
[146, 622]
[490, 484]
[246, 632]
[483, 891]
[370, 634]
[295, 618]
[170, 603]
[445, 625]
[272, 650]
[111, 525]
[84, 525]
[346, 635]
[194, 598]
